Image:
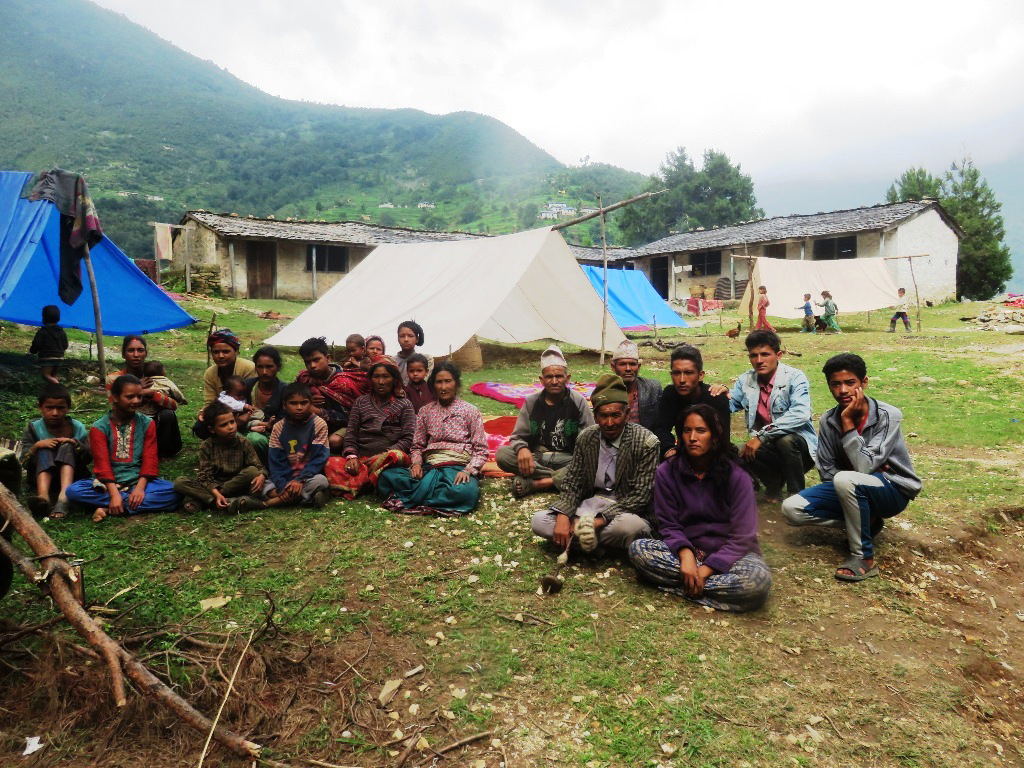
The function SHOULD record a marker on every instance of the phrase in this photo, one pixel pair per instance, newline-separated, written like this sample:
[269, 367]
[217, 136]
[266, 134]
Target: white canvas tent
[857, 285]
[513, 288]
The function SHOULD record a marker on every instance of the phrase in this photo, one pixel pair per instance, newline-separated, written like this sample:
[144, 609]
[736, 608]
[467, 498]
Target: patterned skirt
[349, 486]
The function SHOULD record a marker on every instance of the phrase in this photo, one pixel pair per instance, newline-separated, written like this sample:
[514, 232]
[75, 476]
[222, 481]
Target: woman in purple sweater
[707, 515]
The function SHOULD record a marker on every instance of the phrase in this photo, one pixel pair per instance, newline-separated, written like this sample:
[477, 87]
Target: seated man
[687, 388]
[864, 465]
[607, 491]
[545, 433]
[777, 402]
[644, 394]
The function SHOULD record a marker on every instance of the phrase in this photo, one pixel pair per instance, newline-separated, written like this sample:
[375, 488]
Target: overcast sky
[785, 88]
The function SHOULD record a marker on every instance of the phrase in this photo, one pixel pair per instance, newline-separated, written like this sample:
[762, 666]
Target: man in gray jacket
[545, 433]
[864, 465]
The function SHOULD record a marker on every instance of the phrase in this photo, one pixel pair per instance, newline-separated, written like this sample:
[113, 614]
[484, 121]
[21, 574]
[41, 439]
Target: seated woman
[134, 350]
[223, 346]
[410, 336]
[125, 464]
[707, 515]
[264, 394]
[381, 426]
[448, 450]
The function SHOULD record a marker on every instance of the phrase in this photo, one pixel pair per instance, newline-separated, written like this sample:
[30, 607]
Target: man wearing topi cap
[607, 492]
[644, 394]
[545, 433]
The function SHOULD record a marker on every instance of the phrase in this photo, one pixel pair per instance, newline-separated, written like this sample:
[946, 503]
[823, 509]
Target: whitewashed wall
[928, 236]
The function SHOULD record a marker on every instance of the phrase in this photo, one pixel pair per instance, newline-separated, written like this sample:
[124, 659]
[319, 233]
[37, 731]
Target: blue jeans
[849, 500]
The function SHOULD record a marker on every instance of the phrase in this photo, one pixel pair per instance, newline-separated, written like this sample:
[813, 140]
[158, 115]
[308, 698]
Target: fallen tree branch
[57, 578]
[465, 742]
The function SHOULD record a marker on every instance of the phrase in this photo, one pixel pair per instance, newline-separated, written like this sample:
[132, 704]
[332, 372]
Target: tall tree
[716, 195]
[984, 265]
[914, 184]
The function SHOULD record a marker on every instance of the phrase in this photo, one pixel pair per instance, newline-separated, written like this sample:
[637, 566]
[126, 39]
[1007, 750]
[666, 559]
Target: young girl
[762, 309]
[410, 336]
[416, 388]
[123, 444]
[50, 344]
[707, 516]
[828, 317]
[374, 346]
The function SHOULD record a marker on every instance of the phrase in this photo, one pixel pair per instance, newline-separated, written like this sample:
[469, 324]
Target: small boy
[54, 447]
[901, 308]
[864, 465]
[417, 390]
[298, 452]
[333, 390]
[50, 344]
[808, 321]
[229, 469]
[125, 463]
[155, 379]
[355, 350]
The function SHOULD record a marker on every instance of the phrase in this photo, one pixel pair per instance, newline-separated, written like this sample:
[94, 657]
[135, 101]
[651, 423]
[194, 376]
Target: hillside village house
[715, 262]
[271, 259]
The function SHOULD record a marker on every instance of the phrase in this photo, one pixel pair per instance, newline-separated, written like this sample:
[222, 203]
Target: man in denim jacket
[777, 401]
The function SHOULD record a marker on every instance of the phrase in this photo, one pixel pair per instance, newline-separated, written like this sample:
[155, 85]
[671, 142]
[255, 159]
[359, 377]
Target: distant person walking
[762, 311]
[808, 322]
[901, 308]
[828, 317]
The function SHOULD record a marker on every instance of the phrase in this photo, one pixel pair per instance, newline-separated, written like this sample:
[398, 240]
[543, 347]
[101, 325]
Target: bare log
[55, 576]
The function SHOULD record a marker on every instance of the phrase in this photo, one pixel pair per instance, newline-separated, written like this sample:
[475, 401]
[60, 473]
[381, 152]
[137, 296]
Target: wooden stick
[227, 693]
[609, 209]
[464, 742]
[55, 576]
[413, 740]
[97, 315]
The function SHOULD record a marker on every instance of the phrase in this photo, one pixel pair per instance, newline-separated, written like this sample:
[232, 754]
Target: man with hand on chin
[866, 471]
[777, 401]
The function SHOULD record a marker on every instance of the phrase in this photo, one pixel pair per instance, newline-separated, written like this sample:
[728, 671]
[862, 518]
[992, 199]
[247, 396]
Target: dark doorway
[261, 269]
[659, 275]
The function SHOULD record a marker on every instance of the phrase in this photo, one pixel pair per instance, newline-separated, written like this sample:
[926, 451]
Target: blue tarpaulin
[632, 299]
[30, 265]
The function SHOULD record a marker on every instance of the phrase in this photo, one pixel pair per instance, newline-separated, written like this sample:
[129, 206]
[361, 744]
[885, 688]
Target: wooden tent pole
[100, 352]
[604, 259]
[917, 295]
[601, 211]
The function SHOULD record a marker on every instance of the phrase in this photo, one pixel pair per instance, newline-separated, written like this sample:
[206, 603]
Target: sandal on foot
[522, 487]
[191, 507]
[244, 504]
[60, 511]
[585, 533]
[858, 570]
[38, 506]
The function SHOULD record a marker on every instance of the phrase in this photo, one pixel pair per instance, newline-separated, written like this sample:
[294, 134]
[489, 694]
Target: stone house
[272, 259]
[716, 262]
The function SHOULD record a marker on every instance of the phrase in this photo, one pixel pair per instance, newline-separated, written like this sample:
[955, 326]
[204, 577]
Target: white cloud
[788, 89]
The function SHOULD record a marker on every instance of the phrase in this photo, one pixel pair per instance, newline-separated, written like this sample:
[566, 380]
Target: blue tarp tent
[30, 264]
[632, 299]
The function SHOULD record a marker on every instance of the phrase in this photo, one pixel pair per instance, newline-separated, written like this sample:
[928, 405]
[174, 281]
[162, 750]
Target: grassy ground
[920, 667]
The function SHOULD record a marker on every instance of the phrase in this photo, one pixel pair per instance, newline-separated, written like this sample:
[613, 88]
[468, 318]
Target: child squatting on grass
[229, 469]
[55, 451]
[125, 464]
[864, 465]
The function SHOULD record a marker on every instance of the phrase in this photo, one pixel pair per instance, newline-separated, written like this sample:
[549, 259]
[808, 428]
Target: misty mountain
[156, 130]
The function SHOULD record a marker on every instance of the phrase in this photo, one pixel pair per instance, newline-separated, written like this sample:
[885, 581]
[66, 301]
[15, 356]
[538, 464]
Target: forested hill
[156, 130]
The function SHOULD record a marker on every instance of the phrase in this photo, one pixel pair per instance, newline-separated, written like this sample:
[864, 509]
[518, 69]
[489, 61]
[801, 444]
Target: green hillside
[156, 130]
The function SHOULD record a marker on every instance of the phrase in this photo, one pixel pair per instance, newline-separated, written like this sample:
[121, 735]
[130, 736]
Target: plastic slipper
[522, 487]
[858, 570]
